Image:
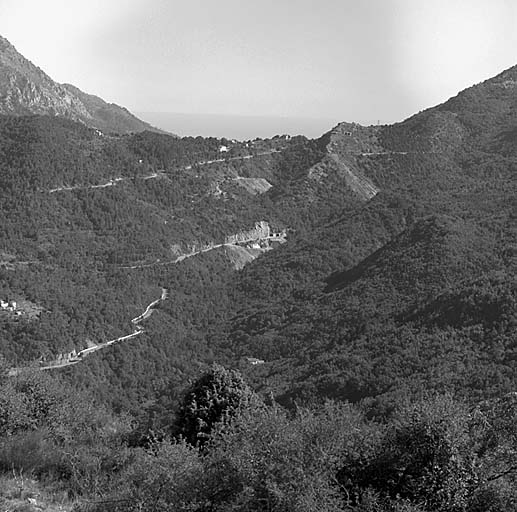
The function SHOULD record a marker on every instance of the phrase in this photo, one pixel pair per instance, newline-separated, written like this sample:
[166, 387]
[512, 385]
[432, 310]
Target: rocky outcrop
[240, 256]
[255, 241]
[261, 231]
[25, 89]
[344, 145]
[355, 179]
[254, 186]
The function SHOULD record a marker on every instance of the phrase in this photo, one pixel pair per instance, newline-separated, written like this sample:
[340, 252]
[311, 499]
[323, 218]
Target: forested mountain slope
[396, 290]
[397, 236]
[353, 310]
[92, 226]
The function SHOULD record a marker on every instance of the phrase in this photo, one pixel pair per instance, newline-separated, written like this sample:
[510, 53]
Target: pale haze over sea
[237, 127]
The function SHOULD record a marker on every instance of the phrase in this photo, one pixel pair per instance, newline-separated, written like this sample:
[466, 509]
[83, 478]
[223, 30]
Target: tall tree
[215, 396]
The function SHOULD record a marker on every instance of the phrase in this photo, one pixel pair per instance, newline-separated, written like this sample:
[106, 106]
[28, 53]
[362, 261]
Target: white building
[223, 149]
[254, 361]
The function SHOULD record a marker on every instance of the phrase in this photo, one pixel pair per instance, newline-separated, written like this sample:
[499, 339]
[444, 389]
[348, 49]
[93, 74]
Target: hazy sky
[363, 60]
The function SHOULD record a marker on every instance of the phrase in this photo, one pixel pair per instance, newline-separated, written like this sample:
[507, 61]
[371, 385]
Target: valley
[288, 324]
[339, 206]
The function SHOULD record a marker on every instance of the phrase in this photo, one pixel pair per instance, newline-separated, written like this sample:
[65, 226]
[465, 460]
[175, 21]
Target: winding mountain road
[158, 263]
[156, 174]
[75, 358]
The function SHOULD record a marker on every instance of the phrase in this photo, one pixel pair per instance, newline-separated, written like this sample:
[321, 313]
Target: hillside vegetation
[378, 343]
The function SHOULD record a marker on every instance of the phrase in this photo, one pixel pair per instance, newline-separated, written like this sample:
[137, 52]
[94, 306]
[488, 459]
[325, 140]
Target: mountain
[26, 89]
[93, 227]
[373, 266]
[385, 298]
[396, 237]
[379, 326]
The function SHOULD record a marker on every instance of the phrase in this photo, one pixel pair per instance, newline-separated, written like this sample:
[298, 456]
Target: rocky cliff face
[261, 231]
[25, 89]
[344, 144]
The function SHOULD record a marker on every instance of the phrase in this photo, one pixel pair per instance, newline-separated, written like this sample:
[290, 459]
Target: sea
[237, 127]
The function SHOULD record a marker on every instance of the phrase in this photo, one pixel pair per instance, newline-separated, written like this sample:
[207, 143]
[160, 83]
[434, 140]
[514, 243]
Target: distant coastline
[237, 127]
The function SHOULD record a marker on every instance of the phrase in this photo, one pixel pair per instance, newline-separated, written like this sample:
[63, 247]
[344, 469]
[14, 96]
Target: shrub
[426, 457]
[163, 478]
[265, 460]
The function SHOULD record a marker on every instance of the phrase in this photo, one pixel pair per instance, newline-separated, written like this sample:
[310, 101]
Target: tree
[214, 397]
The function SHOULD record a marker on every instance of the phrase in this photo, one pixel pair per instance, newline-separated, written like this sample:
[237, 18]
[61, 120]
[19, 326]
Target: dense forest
[73, 247]
[375, 349]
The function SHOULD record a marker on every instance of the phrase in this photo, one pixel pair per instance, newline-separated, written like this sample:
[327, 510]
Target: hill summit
[26, 89]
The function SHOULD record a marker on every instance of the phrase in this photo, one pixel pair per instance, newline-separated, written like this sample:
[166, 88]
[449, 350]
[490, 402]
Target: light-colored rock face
[241, 256]
[356, 180]
[26, 89]
[346, 143]
[254, 186]
[20, 95]
[259, 232]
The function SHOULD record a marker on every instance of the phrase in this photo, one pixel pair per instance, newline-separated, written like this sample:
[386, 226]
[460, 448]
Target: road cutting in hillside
[73, 358]
[155, 174]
